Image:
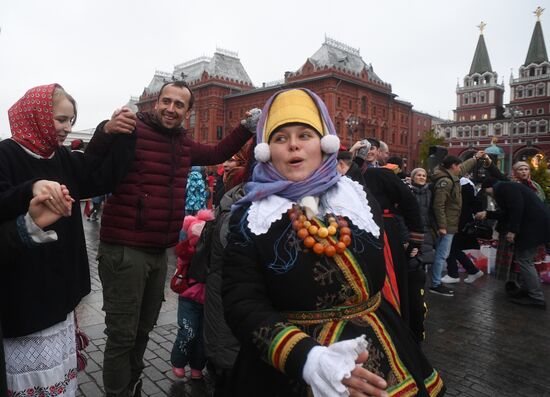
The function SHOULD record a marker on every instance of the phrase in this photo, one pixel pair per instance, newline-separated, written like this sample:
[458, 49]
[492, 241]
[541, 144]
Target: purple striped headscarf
[266, 180]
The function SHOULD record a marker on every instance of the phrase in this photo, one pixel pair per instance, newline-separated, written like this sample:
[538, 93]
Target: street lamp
[352, 122]
[512, 112]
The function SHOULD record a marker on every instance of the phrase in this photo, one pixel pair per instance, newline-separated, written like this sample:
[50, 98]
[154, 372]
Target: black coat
[471, 204]
[521, 212]
[394, 195]
[220, 345]
[39, 287]
[423, 195]
[266, 275]
[10, 241]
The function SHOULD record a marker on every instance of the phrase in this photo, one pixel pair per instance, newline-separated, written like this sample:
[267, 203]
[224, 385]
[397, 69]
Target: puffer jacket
[148, 205]
[447, 197]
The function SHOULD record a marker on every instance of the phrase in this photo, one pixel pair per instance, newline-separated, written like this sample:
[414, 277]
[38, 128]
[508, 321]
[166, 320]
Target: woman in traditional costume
[304, 269]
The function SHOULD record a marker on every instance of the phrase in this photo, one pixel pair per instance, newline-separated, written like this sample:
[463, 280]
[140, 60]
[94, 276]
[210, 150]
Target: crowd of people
[301, 268]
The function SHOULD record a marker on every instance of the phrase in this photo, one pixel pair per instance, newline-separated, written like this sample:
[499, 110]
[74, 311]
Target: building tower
[481, 97]
[530, 99]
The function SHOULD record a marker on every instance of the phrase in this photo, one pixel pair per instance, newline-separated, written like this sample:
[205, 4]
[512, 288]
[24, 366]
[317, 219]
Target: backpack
[201, 258]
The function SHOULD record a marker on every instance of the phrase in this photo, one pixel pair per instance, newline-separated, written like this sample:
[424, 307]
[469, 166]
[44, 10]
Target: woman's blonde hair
[59, 94]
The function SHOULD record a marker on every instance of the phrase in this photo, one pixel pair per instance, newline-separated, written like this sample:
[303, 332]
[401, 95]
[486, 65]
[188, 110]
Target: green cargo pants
[133, 291]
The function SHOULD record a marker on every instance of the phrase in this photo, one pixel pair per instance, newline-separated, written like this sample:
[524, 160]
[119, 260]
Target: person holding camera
[366, 152]
[447, 205]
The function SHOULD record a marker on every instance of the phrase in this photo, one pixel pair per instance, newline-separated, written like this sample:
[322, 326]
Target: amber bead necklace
[322, 240]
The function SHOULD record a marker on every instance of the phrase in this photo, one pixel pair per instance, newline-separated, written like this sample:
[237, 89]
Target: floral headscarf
[31, 120]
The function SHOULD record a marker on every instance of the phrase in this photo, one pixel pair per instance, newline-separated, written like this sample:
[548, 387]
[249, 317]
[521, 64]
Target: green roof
[481, 62]
[537, 48]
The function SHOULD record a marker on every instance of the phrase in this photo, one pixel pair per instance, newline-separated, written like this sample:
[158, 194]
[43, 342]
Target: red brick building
[520, 128]
[360, 103]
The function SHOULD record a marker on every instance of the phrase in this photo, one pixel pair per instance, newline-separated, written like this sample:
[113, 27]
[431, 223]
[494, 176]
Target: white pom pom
[330, 144]
[262, 152]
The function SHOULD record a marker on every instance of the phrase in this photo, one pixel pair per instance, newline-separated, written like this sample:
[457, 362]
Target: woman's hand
[362, 382]
[41, 215]
[57, 197]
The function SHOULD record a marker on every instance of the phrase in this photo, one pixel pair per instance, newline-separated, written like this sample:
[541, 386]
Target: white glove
[325, 367]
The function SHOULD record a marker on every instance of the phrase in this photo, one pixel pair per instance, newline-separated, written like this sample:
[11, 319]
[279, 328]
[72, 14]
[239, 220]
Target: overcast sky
[105, 51]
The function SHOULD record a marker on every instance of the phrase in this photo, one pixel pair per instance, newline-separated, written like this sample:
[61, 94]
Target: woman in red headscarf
[40, 287]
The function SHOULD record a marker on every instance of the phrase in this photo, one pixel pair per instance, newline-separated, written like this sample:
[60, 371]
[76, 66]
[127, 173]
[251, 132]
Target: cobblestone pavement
[481, 344]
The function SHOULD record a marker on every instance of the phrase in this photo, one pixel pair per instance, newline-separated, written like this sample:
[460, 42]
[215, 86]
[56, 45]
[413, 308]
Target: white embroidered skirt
[43, 363]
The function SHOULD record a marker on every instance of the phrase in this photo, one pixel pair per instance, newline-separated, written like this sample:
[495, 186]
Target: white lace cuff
[325, 367]
[36, 234]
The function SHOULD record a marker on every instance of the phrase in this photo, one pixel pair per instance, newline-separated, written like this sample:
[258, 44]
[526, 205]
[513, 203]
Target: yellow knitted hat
[293, 106]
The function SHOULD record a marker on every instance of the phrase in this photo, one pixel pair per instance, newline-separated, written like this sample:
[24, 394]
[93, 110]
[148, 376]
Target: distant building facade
[481, 120]
[360, 103]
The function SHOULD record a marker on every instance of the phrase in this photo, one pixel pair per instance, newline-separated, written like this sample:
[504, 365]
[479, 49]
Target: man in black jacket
[527, 222]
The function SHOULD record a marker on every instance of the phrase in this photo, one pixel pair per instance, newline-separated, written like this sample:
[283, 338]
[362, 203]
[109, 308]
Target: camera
[362, 152]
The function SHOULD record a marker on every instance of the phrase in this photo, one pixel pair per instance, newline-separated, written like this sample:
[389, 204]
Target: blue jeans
[442, 250]
[189, 346]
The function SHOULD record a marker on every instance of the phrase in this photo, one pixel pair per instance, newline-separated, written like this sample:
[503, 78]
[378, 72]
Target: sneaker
[450, 280]
[442, 290]
[196, 374]
[473, 277]
[178, 372]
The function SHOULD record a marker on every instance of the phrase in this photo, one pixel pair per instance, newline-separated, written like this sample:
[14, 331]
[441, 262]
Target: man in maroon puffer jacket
[141, 219]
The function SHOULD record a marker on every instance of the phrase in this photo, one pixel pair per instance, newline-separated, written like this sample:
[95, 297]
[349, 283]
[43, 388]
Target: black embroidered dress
[281, 300]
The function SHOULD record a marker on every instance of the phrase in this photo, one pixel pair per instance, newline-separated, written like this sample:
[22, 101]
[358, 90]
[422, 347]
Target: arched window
[532, 127]
[481, 97]
[498, 129]
[466, 99]
[467, 132]
[476, 131]
[522, 127]
[460, 132]
[483, 130]
[540, 89]
[519, 91]
[363, 104]
[543, 124]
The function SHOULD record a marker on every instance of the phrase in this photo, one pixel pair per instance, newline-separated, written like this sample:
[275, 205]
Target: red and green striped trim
[385, 340]
[390, 289]
[407, 388]
[434, 384]
[330, 333]
[282, 344]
